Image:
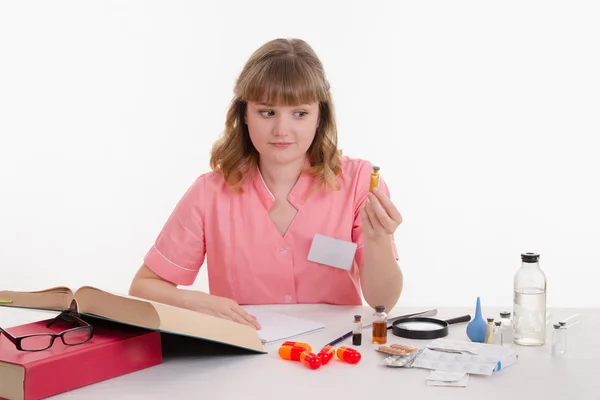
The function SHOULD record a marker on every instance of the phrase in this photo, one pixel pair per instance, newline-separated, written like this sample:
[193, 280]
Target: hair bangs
[285, 81]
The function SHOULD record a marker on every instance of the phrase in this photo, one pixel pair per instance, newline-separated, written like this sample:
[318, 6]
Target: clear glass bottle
[357, 331]
[380, 325]
[507, 328]
[529, 302]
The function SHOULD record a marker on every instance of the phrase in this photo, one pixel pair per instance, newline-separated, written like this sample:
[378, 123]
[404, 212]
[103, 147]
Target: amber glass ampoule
[374, 178]
[380, 326]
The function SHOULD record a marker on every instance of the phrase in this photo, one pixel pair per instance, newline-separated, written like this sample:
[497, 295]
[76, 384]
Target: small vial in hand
[374, 178]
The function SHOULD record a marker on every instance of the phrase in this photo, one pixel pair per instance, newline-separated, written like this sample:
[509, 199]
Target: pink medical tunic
[248, 259]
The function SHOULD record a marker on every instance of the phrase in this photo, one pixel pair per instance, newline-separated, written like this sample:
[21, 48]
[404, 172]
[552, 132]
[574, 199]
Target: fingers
[233, 316]
[245, 317]
[388, 205]
[379, 215]
[366, 221]
[238, 318]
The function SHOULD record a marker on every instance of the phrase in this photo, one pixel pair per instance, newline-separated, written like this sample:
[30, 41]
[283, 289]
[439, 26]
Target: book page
[276, 326]
[117, 307]
[57, 298]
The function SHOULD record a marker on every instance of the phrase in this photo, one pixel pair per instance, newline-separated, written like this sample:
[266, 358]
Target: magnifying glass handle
[464, 318]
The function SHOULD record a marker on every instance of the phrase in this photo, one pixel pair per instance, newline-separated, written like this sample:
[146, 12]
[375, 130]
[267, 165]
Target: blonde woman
[282, 217]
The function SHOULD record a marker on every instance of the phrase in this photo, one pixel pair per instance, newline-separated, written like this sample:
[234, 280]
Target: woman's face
[282, 134]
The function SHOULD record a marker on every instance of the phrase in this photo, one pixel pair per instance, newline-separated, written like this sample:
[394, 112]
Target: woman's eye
[268, 113]
[301, 113]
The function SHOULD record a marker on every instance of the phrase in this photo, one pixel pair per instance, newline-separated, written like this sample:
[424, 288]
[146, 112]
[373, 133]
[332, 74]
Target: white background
[484, 117]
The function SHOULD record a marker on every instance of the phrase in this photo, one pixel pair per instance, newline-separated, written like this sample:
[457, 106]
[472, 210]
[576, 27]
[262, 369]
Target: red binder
[114, 350]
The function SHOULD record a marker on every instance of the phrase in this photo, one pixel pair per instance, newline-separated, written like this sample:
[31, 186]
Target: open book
[134, 311]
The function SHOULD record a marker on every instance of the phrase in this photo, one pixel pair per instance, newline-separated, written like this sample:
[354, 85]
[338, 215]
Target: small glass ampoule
[380, 326]
[498, 334]
[357, 331]
[374, 178]
[489, 331]
[559, 340]
[507, 328]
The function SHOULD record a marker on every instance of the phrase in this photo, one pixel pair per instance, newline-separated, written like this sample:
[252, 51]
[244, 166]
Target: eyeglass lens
[37, 342]
[76, 336]
[42, 342]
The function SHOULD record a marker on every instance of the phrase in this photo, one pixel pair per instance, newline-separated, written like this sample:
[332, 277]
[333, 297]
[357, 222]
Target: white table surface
[209, 374]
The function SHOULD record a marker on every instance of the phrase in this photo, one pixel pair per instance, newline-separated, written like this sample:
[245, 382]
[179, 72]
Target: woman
[282, 217]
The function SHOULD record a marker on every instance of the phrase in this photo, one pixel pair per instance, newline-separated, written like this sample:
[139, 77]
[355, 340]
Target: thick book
[134, 311]
[113, 350]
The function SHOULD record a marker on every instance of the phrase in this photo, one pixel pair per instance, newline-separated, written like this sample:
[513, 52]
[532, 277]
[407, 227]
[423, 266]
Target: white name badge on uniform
[332, 252]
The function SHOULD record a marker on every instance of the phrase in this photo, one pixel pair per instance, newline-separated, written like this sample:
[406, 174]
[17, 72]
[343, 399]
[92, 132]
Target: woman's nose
[281, 126]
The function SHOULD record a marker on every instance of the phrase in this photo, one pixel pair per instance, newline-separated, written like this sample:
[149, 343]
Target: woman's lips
[281, 145]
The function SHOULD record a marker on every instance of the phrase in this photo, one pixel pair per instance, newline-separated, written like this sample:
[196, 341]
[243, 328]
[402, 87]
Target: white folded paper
[446, 378]
[466, 357]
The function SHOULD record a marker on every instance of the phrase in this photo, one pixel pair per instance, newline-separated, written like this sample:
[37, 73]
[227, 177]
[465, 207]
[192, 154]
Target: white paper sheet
[468, 357]
[446, 378]
[276, 326]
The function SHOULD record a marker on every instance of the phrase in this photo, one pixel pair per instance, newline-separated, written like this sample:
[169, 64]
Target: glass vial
[357, 331]
[380, 325]
[489, 331]
[374, 178]
[559, 340]
[498, 333]
[507, 328]
[529, 302]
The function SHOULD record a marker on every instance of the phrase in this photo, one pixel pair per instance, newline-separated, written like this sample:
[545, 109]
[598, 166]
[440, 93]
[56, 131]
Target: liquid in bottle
[529, 304]
[380, 326]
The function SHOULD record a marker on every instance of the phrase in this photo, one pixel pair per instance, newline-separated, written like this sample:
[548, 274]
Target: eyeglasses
[43, 341]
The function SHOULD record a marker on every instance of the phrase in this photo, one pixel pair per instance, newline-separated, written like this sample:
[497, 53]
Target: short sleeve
[362, 192]
[179, 250]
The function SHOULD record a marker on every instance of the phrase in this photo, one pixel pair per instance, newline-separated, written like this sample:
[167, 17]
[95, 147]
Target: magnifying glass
[425, 328]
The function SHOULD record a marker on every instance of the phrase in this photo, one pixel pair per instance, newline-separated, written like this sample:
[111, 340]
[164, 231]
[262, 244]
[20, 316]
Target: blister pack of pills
[405, 360]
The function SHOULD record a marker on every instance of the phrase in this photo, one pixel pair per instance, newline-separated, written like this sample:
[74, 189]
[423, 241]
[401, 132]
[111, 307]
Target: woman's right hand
[148, 285]
[221, 307]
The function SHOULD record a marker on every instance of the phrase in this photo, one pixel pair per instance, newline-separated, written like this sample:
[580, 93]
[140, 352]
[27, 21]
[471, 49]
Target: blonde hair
[285, 72]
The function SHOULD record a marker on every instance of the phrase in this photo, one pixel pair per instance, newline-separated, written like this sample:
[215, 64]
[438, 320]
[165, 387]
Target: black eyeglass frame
[53, 336]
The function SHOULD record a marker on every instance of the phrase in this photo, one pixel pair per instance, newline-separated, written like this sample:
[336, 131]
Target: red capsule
[298, 344]
[326, 354]
[348, 355]
[310, 360]
[291, 352]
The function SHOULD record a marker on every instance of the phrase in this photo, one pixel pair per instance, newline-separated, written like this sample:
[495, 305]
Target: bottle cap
[380, 308]
[497, 323]
[556, 326]
[504, 314]
[357, 317]
[490, 319]
[530, 257]
[375, 168]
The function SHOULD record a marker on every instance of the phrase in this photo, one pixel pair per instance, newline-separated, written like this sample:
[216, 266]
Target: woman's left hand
[380, 217]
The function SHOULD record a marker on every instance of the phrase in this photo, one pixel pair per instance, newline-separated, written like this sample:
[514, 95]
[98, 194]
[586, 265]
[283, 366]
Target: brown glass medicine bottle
[374, 179]
[380, 326]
